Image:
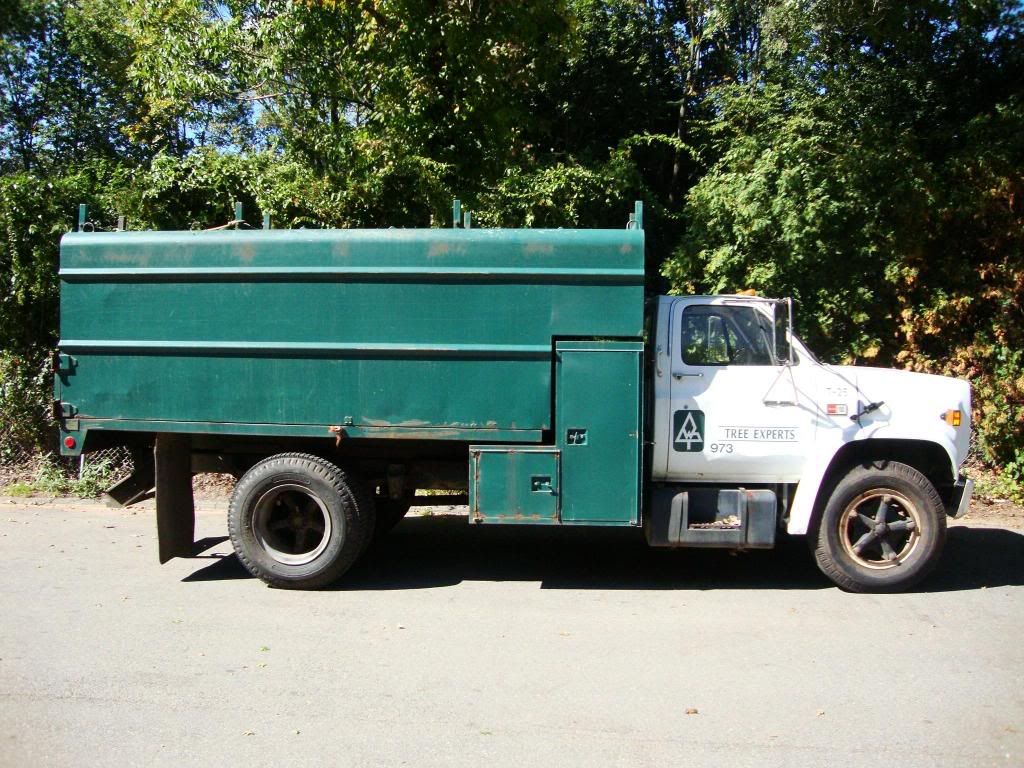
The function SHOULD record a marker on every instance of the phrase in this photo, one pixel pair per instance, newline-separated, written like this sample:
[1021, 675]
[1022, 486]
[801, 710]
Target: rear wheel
[882, 530]
[299, 522]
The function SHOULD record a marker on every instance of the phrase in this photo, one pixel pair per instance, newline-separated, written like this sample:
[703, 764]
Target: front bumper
[960, 499]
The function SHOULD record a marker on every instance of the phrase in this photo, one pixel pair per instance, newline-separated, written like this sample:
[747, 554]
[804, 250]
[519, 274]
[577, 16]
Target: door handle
[541, 484]
[688, 375]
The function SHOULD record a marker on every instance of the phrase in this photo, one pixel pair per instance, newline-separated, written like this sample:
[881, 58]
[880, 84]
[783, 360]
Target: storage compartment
[597, 423]
[514, 485]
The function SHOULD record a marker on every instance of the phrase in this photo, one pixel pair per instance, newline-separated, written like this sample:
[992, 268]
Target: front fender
[888, 441]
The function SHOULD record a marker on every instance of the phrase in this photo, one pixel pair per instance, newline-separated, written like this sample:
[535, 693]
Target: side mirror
[782, 331]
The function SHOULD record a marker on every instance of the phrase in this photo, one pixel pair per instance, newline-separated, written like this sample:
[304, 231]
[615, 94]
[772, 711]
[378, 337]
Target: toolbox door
[514, 485]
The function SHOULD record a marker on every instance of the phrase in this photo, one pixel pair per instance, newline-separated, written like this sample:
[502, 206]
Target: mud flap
[175, 507]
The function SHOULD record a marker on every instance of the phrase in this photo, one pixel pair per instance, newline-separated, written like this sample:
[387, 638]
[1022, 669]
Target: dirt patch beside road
[998, 514]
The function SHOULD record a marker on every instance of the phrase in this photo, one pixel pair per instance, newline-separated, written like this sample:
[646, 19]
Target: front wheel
[299, 522]
[882, 530]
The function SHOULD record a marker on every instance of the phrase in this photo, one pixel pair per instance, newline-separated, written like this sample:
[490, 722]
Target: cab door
[735, 412]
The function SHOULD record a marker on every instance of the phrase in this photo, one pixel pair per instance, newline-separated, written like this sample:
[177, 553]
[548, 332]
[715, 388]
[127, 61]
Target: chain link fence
[88, 475]
[22, 466]
[114, 463]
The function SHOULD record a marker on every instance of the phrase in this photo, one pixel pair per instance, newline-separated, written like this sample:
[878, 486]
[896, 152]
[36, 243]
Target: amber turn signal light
[952, 417]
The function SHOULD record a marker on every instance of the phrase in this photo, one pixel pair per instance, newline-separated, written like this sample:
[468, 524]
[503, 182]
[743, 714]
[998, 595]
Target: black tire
[882, 530]
[389, 514]
[299, 522]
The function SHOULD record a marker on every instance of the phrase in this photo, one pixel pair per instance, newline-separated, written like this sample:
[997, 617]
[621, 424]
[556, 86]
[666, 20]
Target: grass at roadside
[45, 476]
[18, 490]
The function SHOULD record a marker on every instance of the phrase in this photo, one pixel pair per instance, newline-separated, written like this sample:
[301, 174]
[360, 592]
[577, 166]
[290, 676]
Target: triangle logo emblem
[688, 431]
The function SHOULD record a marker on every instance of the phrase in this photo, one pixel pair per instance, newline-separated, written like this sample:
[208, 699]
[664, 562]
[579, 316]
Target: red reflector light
[69, 442]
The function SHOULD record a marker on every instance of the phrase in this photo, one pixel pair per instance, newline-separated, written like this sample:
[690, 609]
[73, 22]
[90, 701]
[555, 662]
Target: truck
[346, 375]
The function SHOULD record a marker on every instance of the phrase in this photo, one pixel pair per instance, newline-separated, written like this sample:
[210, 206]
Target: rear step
[139, 485]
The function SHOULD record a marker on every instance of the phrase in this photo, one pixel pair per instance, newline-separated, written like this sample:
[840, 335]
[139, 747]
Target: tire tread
[830, 565]
[348, 488]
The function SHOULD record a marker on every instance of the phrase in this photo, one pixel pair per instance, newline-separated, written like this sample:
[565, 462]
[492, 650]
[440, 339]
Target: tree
[873, 170]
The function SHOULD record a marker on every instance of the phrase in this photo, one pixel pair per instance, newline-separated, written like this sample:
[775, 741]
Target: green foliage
[66, 97]
[18, 490]
[964, 306]
[617, 81]
[798, 205]
[25, 386]
[561, 195]
[52, 478]
[864, 158]
[874, 171]
[381, 187]
[996, 486]
[96, 477]
[179, 55]
[35, 210]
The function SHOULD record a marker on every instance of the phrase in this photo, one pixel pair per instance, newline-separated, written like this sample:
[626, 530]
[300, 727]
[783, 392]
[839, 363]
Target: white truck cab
[865, 461]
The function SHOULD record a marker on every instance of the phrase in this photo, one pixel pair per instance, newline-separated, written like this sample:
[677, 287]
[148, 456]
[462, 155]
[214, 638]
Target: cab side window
[725, 335]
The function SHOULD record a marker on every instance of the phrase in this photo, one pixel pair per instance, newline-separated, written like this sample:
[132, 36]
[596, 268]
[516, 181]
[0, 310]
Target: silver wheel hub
[292, 524]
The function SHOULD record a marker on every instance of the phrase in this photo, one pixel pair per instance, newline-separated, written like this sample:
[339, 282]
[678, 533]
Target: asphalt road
[459, 646]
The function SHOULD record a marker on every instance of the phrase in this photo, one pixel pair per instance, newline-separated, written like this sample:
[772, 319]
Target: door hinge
[62, 363]
[62, 410]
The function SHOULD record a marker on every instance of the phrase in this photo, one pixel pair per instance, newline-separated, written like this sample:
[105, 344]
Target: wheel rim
[880, 529]
[291, 524]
